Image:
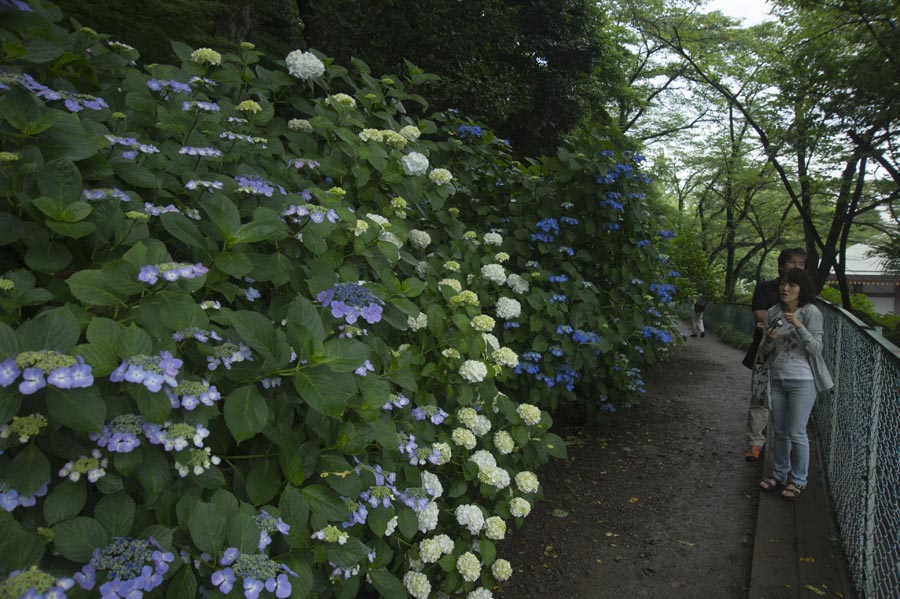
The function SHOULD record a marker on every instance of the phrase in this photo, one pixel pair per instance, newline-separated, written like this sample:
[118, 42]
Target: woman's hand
[772, 333]
[792, 318]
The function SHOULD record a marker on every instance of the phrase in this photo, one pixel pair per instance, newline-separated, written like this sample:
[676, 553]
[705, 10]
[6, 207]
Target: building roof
[861, 267]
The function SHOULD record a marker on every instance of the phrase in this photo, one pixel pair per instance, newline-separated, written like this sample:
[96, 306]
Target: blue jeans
[792, 402]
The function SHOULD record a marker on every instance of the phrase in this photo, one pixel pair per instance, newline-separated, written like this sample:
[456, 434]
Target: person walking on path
[697, 317]
[765, 295]
[797, 372]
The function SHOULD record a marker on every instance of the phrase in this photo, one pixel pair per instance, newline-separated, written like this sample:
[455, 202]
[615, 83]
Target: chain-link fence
[858, 430]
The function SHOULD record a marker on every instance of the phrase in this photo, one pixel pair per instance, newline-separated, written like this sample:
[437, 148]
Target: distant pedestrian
[697, 317]
[797, 372]
[765, 295]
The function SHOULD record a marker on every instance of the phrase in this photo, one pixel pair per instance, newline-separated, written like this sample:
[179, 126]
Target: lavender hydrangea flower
[9, 372]
[256, 185]
[120, 435]
[364, 369]
[170, 271]
[269, 524]
[350, 301]
[34, 583]
[10, 498]
[227, 354]
[105, 193]
[190, 394]
[132, 566]
[256, 571]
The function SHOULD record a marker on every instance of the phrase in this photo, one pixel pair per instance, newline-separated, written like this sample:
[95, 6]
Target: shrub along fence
[265, 329]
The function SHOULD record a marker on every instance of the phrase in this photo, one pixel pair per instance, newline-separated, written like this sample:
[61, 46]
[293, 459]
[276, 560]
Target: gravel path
[657, 504]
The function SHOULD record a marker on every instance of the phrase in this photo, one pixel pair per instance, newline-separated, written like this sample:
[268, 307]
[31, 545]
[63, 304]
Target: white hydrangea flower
[410, 132]
[529, 414]
[341, 100]
[468, 566]
[300, 126]
[508, 308]
[446, 453]
[493, 239]
[501, 569]
[428, 518]
[473, 371]
[517, 284]
[495, 528]
[470, 516]
[501, 257]
[484, 459]
[483, 323]
[494, 272]
[450, 354]
[491, 341]
[505, 357]
[464, 438]
[367, 135]
[470, 236]
[466, 416]
[527, 482]
[481, 426]
[304, 65]
[496, 477]
[432, 484]
[451, 265]
[519, 508]
[480, 593]
[419, 239]
[391, 526]
[417, 323]
[440, 176]
[445, 542]
[417, 584]
[504, 443]
[206, 56]
[430, 551]
[452, 284]
[361, 227]
[393, 139]
[414, 164]
[422, 268]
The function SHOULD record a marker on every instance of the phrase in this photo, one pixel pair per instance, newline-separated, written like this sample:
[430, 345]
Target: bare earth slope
[657, 504]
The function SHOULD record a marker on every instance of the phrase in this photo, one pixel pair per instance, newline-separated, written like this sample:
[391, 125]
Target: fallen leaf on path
[809, 560]
[810, 587]
[612, 534]
[549, 551]
[558, 513]
[633, 500]
[686, 543]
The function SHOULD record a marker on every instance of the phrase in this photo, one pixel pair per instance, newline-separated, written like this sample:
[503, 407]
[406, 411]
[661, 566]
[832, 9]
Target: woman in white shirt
[797, 371]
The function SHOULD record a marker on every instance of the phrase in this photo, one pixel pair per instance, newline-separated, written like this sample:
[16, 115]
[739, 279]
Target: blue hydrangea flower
[34, 583]
[256, 185]
[269, 524]
[9, 372]
[256, 571]
[364, 369]
[121, 434]
[205, 152]
[190, 394]
[666, 235]
[169, 85]
[350, 301]
[10, 498]
[104, 193]
[132, 567]
[558, 278]
[558, 298]
[195, 184]
[170, 271]
[568, 220]
[227, 354]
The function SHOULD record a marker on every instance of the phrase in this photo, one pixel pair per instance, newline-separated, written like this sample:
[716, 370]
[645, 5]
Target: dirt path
[657, 505]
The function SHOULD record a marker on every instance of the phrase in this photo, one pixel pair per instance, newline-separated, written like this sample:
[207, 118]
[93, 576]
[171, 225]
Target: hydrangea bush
[264, 334]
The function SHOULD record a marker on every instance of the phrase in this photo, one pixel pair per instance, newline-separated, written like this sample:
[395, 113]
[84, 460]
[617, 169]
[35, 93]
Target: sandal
[770, 484]
[792, 492]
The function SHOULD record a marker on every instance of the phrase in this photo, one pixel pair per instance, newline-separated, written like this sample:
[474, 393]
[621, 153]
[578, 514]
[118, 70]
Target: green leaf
[257, 331]
[155, 407]
[133, 341]
[325, 503]
[227, 501]
[388, 585]
[407, 522]
[182, 229]
[48, 258]
[263, 481]
[295, 511]
[246, 412]
[54, 329]
[266, 225]
[10, 402]
[65, 501]
[183, 585]
[325, 391]
[554, 445]
[18, 547]
[488, 552]
[243, 533]
[28, 471]
[136, 175]
[207, 527]
[92, 287]
[223, 214]
[79, 409]
[343, 355]
[234, 263]
[11, 228]
[116, 514]
[77, 538]
[155, 473]
[60, 180]
[347, 555]
[72, 230]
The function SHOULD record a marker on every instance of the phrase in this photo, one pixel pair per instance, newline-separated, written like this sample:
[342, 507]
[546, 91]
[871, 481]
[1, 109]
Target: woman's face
[788, 292]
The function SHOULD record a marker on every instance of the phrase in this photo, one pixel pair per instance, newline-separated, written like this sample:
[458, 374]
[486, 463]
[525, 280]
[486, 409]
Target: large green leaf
[93, 288]
[257, 331]
[18, 547]
[155, 407]
[182, 229]
[28, 471]
[77, 538]
[325, 391]
[243, 532]
[246, 412]
[207, 527]
[133, 341]
[325, 503]
[155, 473]
[50, 257]
[388, 585]
[11, 228]
[266, 225]
[223, 214]
[67, 139]
[79, 409]
[54, 329]
[60, 180]
[263, 481]
[116, 514]
[183, 584]
[65, 501]
[343, 355]
[136, 175]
